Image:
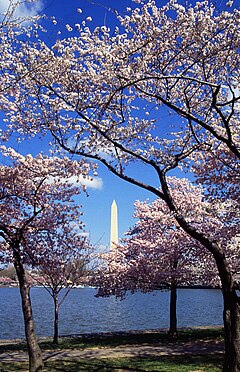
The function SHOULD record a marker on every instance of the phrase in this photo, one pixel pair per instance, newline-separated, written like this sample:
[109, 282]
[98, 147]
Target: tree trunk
[173, 311]
[56, 310]
[34, 351]
[231, 318]
[231, 313]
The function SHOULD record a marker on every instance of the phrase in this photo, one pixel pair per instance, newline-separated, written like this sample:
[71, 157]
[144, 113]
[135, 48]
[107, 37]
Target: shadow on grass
[208, 363]
[132, 338]
[22, 346]
[121, 338]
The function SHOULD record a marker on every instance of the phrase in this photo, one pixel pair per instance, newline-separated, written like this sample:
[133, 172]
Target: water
[82, 312]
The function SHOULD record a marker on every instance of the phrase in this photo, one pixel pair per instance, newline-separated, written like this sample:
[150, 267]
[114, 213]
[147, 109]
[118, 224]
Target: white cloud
[92, 183]
[4, 4]
[27, 9]
[76, 227]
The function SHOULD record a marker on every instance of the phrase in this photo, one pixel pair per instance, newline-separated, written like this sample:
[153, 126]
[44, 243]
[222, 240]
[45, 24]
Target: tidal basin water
[82, 312]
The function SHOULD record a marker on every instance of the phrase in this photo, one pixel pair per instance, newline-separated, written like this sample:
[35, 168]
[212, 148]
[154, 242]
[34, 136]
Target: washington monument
[114, 225]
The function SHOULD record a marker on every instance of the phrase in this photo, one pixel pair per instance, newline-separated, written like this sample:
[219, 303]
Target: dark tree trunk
[231, 300]
[56, 311]
[173, 311]
[34, 351]
[231, 313]
[231, 318]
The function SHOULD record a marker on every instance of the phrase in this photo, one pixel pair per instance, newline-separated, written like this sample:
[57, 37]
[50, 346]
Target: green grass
[209, 363]
[121, 338]
[125, 338]
[182, 363]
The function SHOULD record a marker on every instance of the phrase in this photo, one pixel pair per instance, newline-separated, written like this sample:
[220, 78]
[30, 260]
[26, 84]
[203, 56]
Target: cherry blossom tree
[36, 195]
[64, 259]
[150, 262]
[16, 22]
[159, 254]
[121, 84]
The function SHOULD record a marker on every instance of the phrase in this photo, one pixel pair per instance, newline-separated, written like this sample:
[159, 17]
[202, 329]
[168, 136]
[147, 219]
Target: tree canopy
[105, 93]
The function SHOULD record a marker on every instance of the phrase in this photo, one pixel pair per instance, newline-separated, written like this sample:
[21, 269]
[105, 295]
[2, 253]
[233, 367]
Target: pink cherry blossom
[37, 211]
[160, 89]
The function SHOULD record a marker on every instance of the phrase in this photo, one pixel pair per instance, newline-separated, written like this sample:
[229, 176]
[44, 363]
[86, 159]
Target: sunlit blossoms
[160, 89]
[37, 194]
[37, 210]
[158, 254]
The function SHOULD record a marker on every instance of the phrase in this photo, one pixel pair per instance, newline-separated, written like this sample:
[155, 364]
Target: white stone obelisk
[114, 226]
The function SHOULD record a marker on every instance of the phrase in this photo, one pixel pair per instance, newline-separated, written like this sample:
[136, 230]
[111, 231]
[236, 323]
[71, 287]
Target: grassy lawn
[209, 363]
[125, 338]
[121, 338]
[183, 363]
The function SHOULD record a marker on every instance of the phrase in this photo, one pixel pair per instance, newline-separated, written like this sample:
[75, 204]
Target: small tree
[63, 261]
[35, 194]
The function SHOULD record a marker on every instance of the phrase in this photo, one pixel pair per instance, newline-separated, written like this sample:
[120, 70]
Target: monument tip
[114, 225]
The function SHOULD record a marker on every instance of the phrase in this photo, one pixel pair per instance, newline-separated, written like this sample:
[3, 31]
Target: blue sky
[96, 206]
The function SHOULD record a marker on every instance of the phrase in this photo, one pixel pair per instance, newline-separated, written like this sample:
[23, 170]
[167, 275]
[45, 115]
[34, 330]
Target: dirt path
[182, 348]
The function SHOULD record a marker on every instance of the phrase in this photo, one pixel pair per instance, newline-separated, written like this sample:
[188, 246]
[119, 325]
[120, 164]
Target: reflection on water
[82, 312]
